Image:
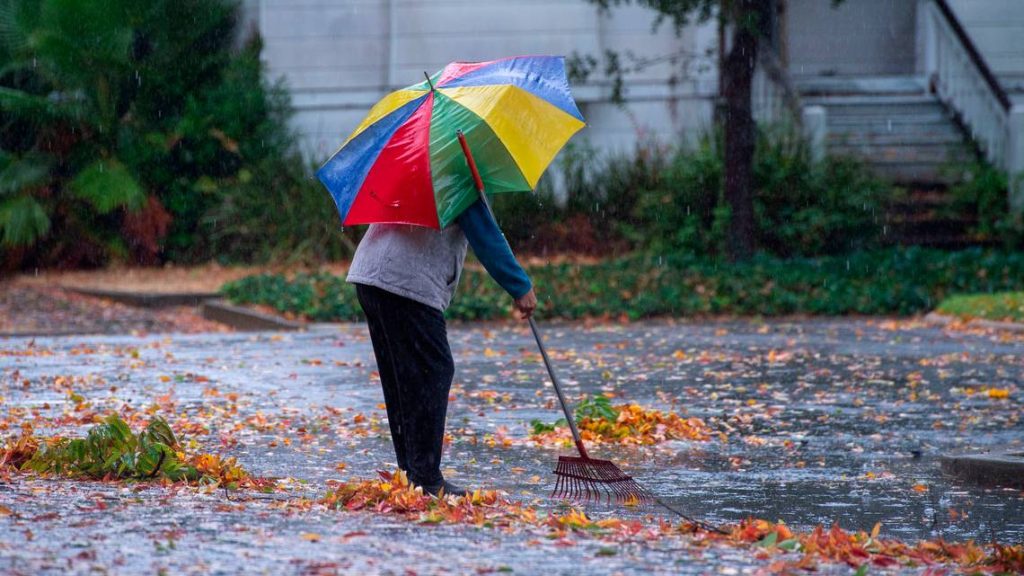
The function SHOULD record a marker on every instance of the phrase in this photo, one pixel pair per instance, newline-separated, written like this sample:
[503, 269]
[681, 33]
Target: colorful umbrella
[403, 164]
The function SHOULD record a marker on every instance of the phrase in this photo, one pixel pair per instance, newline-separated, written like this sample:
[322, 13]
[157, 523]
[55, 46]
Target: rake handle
[533, 325]
[558, 390]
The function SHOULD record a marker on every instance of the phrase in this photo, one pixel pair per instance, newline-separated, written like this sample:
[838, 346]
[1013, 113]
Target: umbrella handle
[472, 165]
[533, 325]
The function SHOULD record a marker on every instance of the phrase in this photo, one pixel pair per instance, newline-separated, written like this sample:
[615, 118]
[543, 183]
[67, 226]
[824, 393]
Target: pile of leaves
[111, 451]
[391, 493]
[598, 421]
[902, 281]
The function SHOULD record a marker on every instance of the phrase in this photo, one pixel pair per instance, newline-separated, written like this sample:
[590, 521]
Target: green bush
[664, 201]
[894, 281]
[983, 193]
[138, 131]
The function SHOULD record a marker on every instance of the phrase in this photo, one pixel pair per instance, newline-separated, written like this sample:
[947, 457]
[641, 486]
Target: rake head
[586, 479]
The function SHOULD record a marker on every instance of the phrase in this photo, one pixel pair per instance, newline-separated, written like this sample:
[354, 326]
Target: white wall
[339, 56]
[859, 37]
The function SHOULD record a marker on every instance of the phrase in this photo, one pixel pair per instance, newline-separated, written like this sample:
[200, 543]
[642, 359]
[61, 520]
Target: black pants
[410, 341]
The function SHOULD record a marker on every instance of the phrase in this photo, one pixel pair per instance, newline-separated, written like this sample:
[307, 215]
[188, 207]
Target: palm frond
[17, 174]
[81, 36]
[38, 109]
[23, 221]
[17, 20]
[107, 185]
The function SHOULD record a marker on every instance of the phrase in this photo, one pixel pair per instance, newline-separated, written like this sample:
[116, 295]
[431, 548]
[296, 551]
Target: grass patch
[885, 282]
[1007, 306]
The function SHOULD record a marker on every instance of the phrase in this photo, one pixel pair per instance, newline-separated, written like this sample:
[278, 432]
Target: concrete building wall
[857, 38]
[338, 57]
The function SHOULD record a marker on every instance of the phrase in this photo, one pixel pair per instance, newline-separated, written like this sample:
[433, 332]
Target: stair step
[930, 123]
[860, 85]
[930, 230]
[936, 154]
[911, 111]
[922, 217]
[841, 102]
[911, 173]
[909, 138]
[938, 241]
[923, 199]
[889, 122]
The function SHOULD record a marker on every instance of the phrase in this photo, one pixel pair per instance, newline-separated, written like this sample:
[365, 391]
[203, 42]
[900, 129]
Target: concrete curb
[245, 319]
[210, 305]
[1005, 469]
[148, 299]
[48, 334]
[944, 320]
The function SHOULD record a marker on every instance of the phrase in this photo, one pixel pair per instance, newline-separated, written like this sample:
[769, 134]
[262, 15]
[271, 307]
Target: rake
[579, 477]
[582, 477]
[585, 478]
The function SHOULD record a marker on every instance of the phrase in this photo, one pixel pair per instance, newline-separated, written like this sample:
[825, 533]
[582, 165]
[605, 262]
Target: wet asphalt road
[822, 421]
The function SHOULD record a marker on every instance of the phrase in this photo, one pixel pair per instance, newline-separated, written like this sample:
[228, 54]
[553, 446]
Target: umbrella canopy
[403, 164]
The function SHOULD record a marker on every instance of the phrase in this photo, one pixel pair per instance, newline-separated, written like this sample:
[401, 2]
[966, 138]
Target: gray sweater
[421, 264]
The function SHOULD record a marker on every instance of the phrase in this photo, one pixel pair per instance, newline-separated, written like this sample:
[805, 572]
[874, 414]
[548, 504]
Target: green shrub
[137, 131]
[983, 193]
[894, 281]
[664, 201]
[806, 208]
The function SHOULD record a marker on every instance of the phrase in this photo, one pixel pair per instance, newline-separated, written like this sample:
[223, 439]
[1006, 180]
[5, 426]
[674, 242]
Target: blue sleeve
[492, 250]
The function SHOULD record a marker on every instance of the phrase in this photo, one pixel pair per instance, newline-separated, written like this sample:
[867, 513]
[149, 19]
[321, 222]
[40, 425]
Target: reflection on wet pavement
[815, 422]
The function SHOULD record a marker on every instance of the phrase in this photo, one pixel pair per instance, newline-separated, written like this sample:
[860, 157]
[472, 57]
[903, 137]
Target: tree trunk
[740, 131]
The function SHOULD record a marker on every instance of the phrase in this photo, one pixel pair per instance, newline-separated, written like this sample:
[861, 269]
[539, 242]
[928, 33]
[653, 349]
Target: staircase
[905, 135]
[893, 124]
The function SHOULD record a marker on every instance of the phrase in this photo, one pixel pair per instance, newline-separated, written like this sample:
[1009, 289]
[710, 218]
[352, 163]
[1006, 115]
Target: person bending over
[405, 277]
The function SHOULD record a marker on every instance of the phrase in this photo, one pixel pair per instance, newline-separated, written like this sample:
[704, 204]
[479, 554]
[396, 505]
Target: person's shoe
[447, 487]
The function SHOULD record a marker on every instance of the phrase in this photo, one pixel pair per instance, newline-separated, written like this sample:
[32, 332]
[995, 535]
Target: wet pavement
[36, 310]
[815, 422]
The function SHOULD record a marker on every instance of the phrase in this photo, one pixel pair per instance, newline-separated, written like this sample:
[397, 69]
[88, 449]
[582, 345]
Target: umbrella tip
[428, 80]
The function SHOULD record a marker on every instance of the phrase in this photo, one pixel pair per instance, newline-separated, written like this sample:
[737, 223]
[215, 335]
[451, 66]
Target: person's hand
[526, 304]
